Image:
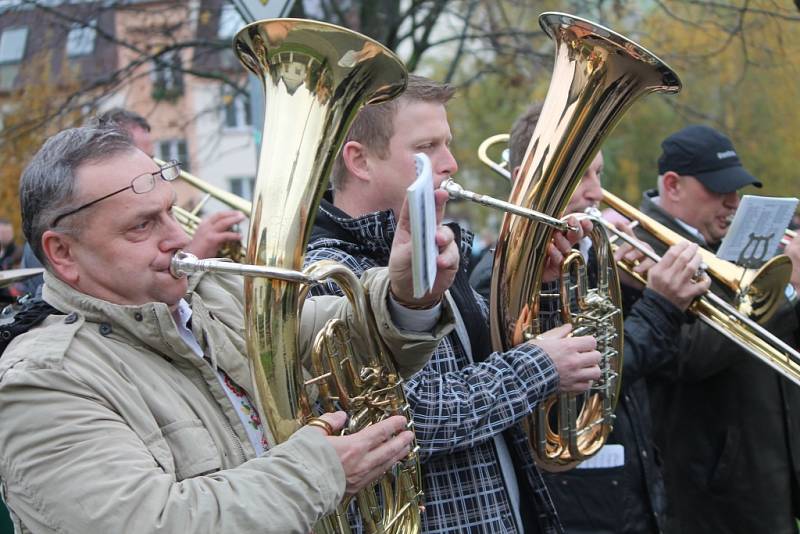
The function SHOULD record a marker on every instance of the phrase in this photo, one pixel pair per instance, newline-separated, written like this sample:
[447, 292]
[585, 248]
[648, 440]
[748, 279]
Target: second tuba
[597, 76]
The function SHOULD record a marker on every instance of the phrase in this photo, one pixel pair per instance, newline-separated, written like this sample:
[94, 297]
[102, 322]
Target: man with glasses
[209, 237]
[129, 409]
[215, 230]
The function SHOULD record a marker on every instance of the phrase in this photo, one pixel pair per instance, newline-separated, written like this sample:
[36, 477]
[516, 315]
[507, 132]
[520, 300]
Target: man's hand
[370, 452]
[672, 276]
[793, 251]
[638, 261]
[575, 358]
[213, 232]
[561, 245]
[400, 271]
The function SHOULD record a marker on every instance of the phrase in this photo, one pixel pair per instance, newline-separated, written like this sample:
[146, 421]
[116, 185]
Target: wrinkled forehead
[105, 174]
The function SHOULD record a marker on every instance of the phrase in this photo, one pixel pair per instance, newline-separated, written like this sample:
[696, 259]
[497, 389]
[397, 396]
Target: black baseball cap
[706, 154]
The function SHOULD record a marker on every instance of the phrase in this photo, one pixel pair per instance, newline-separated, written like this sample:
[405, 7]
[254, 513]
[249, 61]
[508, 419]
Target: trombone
[758, 293]
[190, 219]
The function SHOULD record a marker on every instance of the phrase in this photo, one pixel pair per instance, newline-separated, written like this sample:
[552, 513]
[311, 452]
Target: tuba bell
[316, 77]
[597, 76]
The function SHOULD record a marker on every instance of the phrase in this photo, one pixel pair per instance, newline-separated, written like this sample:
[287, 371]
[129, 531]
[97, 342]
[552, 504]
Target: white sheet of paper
[758, 227]
[422, 215]
[611, 455]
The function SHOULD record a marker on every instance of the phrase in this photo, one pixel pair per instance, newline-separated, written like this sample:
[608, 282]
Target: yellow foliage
[32, 113]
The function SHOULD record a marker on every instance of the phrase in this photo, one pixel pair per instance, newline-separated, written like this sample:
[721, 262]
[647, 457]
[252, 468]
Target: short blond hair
[373, 126]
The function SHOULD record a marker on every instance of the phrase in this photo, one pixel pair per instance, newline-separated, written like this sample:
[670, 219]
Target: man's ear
[672, 186]
[59, 252]
[356, 160]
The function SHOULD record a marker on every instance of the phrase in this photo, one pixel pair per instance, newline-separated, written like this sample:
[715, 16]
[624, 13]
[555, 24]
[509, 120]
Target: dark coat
[727, 425]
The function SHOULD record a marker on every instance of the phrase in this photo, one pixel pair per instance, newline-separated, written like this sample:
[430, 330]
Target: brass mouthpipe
[456, 191]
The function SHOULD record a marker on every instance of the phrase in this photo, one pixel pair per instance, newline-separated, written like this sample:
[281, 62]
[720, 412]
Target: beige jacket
[111, 424]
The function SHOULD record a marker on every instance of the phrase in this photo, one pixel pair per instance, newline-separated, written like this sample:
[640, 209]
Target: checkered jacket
[458, 406]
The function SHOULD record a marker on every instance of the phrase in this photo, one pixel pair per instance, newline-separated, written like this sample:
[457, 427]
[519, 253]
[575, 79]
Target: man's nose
[175, 237]
[445, 166]
[594, 190]
[731, 200]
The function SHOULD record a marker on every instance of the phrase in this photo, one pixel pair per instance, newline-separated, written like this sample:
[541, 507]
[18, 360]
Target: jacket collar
[151, 324]
[370, 234]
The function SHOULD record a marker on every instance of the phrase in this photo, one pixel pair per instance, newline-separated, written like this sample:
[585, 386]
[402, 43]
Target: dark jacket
[728, 427]
[631, 498]
[481, 276]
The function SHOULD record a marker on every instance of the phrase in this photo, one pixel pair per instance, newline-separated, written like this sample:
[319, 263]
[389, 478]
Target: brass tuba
[316, 77]
[597, 76]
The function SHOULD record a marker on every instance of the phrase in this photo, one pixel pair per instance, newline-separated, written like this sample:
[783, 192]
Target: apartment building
[170, 61]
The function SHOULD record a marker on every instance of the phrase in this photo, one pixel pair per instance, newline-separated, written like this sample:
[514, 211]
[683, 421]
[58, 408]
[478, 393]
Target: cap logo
[726, 154]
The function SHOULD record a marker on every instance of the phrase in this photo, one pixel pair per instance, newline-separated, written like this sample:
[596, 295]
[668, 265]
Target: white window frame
[166, 72]
[239, 105]
[81, 39]
[169, 149]
[245, 187]
[13, 42]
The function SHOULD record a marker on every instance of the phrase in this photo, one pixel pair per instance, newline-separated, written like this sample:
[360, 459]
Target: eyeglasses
[144, 183]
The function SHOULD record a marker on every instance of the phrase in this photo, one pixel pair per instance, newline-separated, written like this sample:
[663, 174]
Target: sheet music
[611, 455]
[422, 214]
[757, 229]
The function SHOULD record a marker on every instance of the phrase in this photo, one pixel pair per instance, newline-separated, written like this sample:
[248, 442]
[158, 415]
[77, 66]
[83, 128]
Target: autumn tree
[20, 138]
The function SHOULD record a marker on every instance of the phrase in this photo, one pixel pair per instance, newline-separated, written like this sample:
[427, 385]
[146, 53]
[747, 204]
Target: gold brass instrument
[731, 322]
[190, 219]
[597, 76]
[316, 77]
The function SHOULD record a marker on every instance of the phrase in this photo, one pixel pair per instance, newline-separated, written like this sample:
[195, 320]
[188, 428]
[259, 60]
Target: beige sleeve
[410, 351]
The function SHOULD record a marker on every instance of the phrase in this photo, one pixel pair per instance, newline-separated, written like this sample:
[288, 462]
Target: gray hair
[47, 185]
[119, 118]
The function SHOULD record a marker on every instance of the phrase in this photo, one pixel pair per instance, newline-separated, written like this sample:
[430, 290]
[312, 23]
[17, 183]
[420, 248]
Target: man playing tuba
[467, 403]
[129, 408]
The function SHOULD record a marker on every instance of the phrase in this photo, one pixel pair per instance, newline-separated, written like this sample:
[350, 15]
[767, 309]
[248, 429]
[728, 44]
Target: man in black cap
[727, 424]
[700, 175]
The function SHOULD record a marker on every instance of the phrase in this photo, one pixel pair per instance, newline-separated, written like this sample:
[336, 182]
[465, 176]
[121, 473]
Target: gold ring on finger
[321, 423]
